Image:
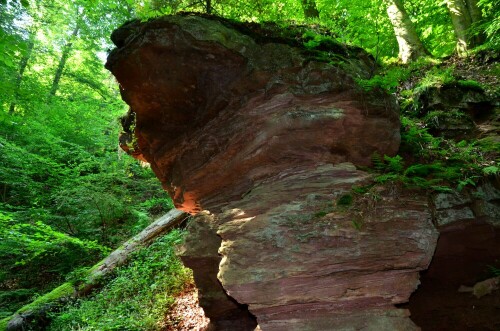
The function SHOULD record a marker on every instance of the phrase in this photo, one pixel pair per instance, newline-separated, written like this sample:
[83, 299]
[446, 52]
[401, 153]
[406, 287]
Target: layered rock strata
[263, 141]
[481, 202]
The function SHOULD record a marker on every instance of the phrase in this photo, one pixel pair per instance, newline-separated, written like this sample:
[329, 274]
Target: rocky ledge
[264, 142]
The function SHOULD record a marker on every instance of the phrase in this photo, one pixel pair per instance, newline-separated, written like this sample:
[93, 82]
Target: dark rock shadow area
[463, 254]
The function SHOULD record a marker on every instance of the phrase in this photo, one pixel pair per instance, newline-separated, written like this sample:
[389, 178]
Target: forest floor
[186, 314]
[482, 67]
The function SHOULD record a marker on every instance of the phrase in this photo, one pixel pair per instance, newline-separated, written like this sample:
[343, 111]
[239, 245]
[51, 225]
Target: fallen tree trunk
[36, 311]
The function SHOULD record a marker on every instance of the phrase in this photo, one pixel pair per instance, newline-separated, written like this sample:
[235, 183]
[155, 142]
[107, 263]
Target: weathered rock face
[321, 265]
[482, 202]
[266, 140]
[458, 111]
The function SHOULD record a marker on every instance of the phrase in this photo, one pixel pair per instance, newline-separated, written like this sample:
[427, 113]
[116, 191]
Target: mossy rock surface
[310, 42]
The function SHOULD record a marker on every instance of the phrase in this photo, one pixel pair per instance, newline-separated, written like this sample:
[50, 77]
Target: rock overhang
[213, 104]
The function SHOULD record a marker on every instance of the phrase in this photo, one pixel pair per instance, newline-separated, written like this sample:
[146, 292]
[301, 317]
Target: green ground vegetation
[136, 296]
[427, 157]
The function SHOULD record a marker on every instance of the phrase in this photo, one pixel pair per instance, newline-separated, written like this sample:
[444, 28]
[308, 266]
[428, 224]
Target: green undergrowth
[392, 76]
[416, 77]
[35, 253]
[136, 297]
[494, 270]
[66, 198]
[434, 163]
[428, 159]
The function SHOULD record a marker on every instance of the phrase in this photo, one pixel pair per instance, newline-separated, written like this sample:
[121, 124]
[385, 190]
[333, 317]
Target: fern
[394, 164]
[494, 270]
[387, 178]
[441, 188]
[491, 170]
[465, 182]
[378, 162]
[423, 170]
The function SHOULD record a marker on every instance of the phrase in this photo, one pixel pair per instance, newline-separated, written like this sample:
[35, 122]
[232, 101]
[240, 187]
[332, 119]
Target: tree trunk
[22, 67]
[474, 11]
[461, 22]
[62, 62]
[410, 46]
[475, 17]
[208, 6]
[309, 8]
[37, 309]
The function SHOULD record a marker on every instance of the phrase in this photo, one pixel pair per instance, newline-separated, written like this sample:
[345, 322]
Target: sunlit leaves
[34, 254]
[491, 24]
[362, 23]
[8, 50]
[61, 177]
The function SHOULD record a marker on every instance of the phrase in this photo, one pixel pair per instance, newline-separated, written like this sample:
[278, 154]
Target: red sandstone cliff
[264, 141]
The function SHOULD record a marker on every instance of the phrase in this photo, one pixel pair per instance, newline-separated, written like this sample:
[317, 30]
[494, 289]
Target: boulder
[263, 140]
[457, 110]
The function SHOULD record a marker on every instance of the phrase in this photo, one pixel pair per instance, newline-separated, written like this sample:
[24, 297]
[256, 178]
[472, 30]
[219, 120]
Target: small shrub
[345, 200]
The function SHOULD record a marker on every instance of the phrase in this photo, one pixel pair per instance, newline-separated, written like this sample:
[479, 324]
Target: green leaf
[491, 170]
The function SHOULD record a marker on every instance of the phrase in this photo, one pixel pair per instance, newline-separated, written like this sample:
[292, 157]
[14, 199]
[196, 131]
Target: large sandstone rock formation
[264, 140]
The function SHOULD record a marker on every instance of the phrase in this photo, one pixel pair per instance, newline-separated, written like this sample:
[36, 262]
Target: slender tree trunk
[310, 9]
[22, 67]
[474, 11]
[475, 17]
[410, 46]
[4, 193]
[208, 6]
[461, 22]
[22, 318]
[62, 62]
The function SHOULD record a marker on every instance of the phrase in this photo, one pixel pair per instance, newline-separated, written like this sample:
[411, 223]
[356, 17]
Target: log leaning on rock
[37, 309]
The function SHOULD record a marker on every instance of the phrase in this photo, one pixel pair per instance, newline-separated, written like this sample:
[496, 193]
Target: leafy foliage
[137, 297]
[67, 195]
[436, 163]
[427, 159]
[491, 22]
[35, 255]
[391, 77]
[495, 271]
